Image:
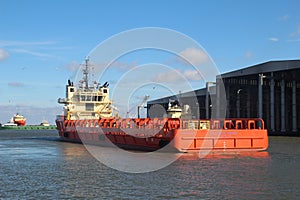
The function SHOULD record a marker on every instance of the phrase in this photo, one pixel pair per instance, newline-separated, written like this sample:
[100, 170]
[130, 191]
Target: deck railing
[168, 123]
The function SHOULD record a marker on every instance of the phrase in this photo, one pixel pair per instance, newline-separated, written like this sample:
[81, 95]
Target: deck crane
[141, 105]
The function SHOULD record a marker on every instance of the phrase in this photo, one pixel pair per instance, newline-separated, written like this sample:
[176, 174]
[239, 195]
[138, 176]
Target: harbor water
[36, 165]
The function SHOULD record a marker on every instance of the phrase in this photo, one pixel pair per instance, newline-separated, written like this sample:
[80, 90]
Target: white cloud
[296, 40]
[193, 56]
[192, 75]
[273, 39]
[72, 66]
[5, 43]
[169, 77]
[248, 54]
[177, 76]
[3, 54]
[297, 32]
[16, 84]
[123, 65]
[33, 53]
[284, 17]
[33, 48]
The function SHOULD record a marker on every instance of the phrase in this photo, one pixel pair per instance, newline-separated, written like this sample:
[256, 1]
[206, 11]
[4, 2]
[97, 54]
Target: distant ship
[88, 118]
[18, 122]
[45, 123]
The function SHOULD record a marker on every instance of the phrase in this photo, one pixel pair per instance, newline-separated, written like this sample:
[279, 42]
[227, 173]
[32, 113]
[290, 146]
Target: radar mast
[86, 73]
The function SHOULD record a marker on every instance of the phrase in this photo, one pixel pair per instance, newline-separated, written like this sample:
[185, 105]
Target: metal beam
[294, 107]
[260, 97]
[218, 82]
[272, 113]
[228, 102]
[238, 103]
[282, 105]
[207, 101]
[248, 103]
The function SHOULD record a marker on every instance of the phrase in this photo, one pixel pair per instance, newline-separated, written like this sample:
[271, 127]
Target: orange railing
[233, 123]
[168, 123]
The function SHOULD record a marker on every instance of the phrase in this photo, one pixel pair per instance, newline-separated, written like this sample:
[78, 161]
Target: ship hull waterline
[179, 140]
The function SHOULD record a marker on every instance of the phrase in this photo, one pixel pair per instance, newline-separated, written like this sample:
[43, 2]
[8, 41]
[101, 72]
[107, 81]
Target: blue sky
[42, 42]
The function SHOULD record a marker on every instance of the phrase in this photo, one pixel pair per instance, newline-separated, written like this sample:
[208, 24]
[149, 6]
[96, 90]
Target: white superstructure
[85, 101]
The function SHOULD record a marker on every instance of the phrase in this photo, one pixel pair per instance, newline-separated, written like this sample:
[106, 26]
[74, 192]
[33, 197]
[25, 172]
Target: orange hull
[220, 140]
[20, 122]
[175, 134]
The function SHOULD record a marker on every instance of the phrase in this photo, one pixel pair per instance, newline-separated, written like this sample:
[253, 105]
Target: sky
[42, 43]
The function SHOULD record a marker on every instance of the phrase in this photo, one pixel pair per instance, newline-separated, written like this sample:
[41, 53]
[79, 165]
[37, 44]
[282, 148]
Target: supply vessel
[88, 118]
[18, 122]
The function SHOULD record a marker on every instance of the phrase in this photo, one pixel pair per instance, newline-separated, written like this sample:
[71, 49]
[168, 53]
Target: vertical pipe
[294, 107]
[260, 83]
[238, 99]
[207, 102]
[282, 105]
[248, 103]
[272, 115]
[228, 102]
[218, 97]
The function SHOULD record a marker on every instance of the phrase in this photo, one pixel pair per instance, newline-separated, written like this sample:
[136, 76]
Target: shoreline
[29, 127]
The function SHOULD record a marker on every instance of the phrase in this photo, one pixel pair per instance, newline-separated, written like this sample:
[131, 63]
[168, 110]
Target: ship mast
[86, 73]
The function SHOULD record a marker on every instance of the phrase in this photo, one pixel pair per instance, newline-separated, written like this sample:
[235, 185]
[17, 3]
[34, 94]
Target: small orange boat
[88, 119]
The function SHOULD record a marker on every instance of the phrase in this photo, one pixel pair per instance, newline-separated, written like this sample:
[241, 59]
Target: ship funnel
[106, 84]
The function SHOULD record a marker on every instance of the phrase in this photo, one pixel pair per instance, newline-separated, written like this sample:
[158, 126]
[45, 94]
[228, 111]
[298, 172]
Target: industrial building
[269, 90]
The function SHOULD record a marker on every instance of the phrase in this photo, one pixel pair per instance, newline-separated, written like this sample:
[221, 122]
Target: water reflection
[44, 168]
[73, 150]
[227, 155]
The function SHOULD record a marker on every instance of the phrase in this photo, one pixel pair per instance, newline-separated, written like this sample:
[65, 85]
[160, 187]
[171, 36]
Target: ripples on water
[35, 165]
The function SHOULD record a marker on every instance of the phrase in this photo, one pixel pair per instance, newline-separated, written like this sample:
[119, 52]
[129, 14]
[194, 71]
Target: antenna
[86, 73]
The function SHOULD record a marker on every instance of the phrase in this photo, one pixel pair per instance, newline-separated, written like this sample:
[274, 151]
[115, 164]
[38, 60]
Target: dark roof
[271, 66]
[199, 92]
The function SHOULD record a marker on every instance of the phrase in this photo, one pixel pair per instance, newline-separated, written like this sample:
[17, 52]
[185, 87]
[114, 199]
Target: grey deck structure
[269, 90]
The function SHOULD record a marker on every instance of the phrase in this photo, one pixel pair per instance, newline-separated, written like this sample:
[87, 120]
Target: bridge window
[89, 106]
[94, 98]
[76, 98]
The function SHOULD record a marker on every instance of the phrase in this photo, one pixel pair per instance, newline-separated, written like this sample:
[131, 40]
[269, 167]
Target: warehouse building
[268, 90]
